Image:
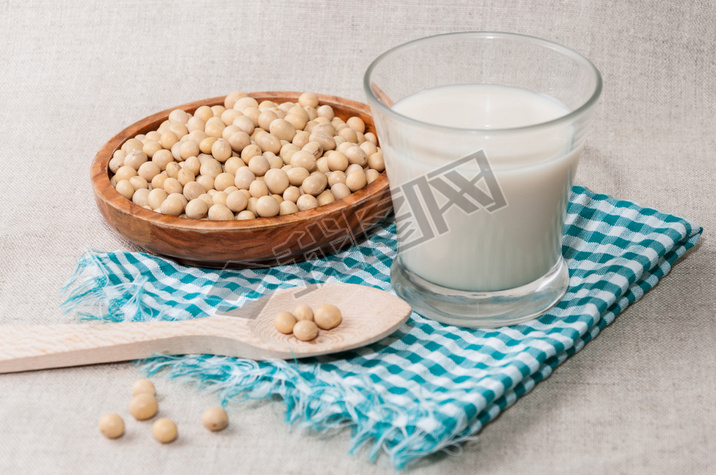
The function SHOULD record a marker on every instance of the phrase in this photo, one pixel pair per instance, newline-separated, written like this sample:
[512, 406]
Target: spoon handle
[32, 347]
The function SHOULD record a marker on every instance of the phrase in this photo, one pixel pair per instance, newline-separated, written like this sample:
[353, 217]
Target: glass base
[480, 309]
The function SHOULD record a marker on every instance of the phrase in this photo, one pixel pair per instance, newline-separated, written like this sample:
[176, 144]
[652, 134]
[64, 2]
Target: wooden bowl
[251, 243]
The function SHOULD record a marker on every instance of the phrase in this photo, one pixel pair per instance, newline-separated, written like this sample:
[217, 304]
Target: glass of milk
[481, 134]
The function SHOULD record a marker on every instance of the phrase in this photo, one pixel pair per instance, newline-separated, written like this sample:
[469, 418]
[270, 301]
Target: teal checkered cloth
[428, 386]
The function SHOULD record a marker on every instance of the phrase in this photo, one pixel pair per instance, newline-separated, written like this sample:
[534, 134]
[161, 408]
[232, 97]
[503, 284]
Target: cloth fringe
[317, 402]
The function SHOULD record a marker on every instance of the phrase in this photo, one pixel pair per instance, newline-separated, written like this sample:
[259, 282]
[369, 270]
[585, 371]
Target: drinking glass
[481, 133]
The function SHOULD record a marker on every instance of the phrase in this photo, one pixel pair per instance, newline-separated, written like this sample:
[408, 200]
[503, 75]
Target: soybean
[111, 426]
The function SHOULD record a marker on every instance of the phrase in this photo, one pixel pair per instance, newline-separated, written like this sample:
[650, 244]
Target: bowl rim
[104, 191]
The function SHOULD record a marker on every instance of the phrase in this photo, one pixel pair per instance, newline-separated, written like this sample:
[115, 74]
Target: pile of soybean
[247, 160]
[144, 406]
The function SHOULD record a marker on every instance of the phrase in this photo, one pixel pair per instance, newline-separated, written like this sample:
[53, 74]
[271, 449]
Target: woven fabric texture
[637, 400]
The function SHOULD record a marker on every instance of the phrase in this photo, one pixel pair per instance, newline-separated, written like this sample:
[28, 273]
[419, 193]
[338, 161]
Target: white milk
[516, 244]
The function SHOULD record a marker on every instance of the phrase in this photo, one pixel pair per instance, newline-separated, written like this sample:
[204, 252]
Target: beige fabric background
[641, 398]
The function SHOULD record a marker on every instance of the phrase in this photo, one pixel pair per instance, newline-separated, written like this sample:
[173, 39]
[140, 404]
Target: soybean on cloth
[426, 387]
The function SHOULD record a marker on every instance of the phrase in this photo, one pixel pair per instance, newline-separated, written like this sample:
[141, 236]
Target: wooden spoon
[369, 314]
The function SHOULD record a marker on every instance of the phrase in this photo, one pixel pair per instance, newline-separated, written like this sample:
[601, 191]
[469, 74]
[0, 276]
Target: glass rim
[588, 104]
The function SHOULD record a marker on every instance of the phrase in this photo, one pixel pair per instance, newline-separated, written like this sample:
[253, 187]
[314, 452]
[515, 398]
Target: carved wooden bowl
[252, 243]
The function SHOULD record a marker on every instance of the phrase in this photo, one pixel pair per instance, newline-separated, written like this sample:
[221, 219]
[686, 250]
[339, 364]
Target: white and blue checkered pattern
[427, 386]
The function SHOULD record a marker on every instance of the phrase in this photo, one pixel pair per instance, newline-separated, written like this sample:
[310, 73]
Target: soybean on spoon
[368, 315]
